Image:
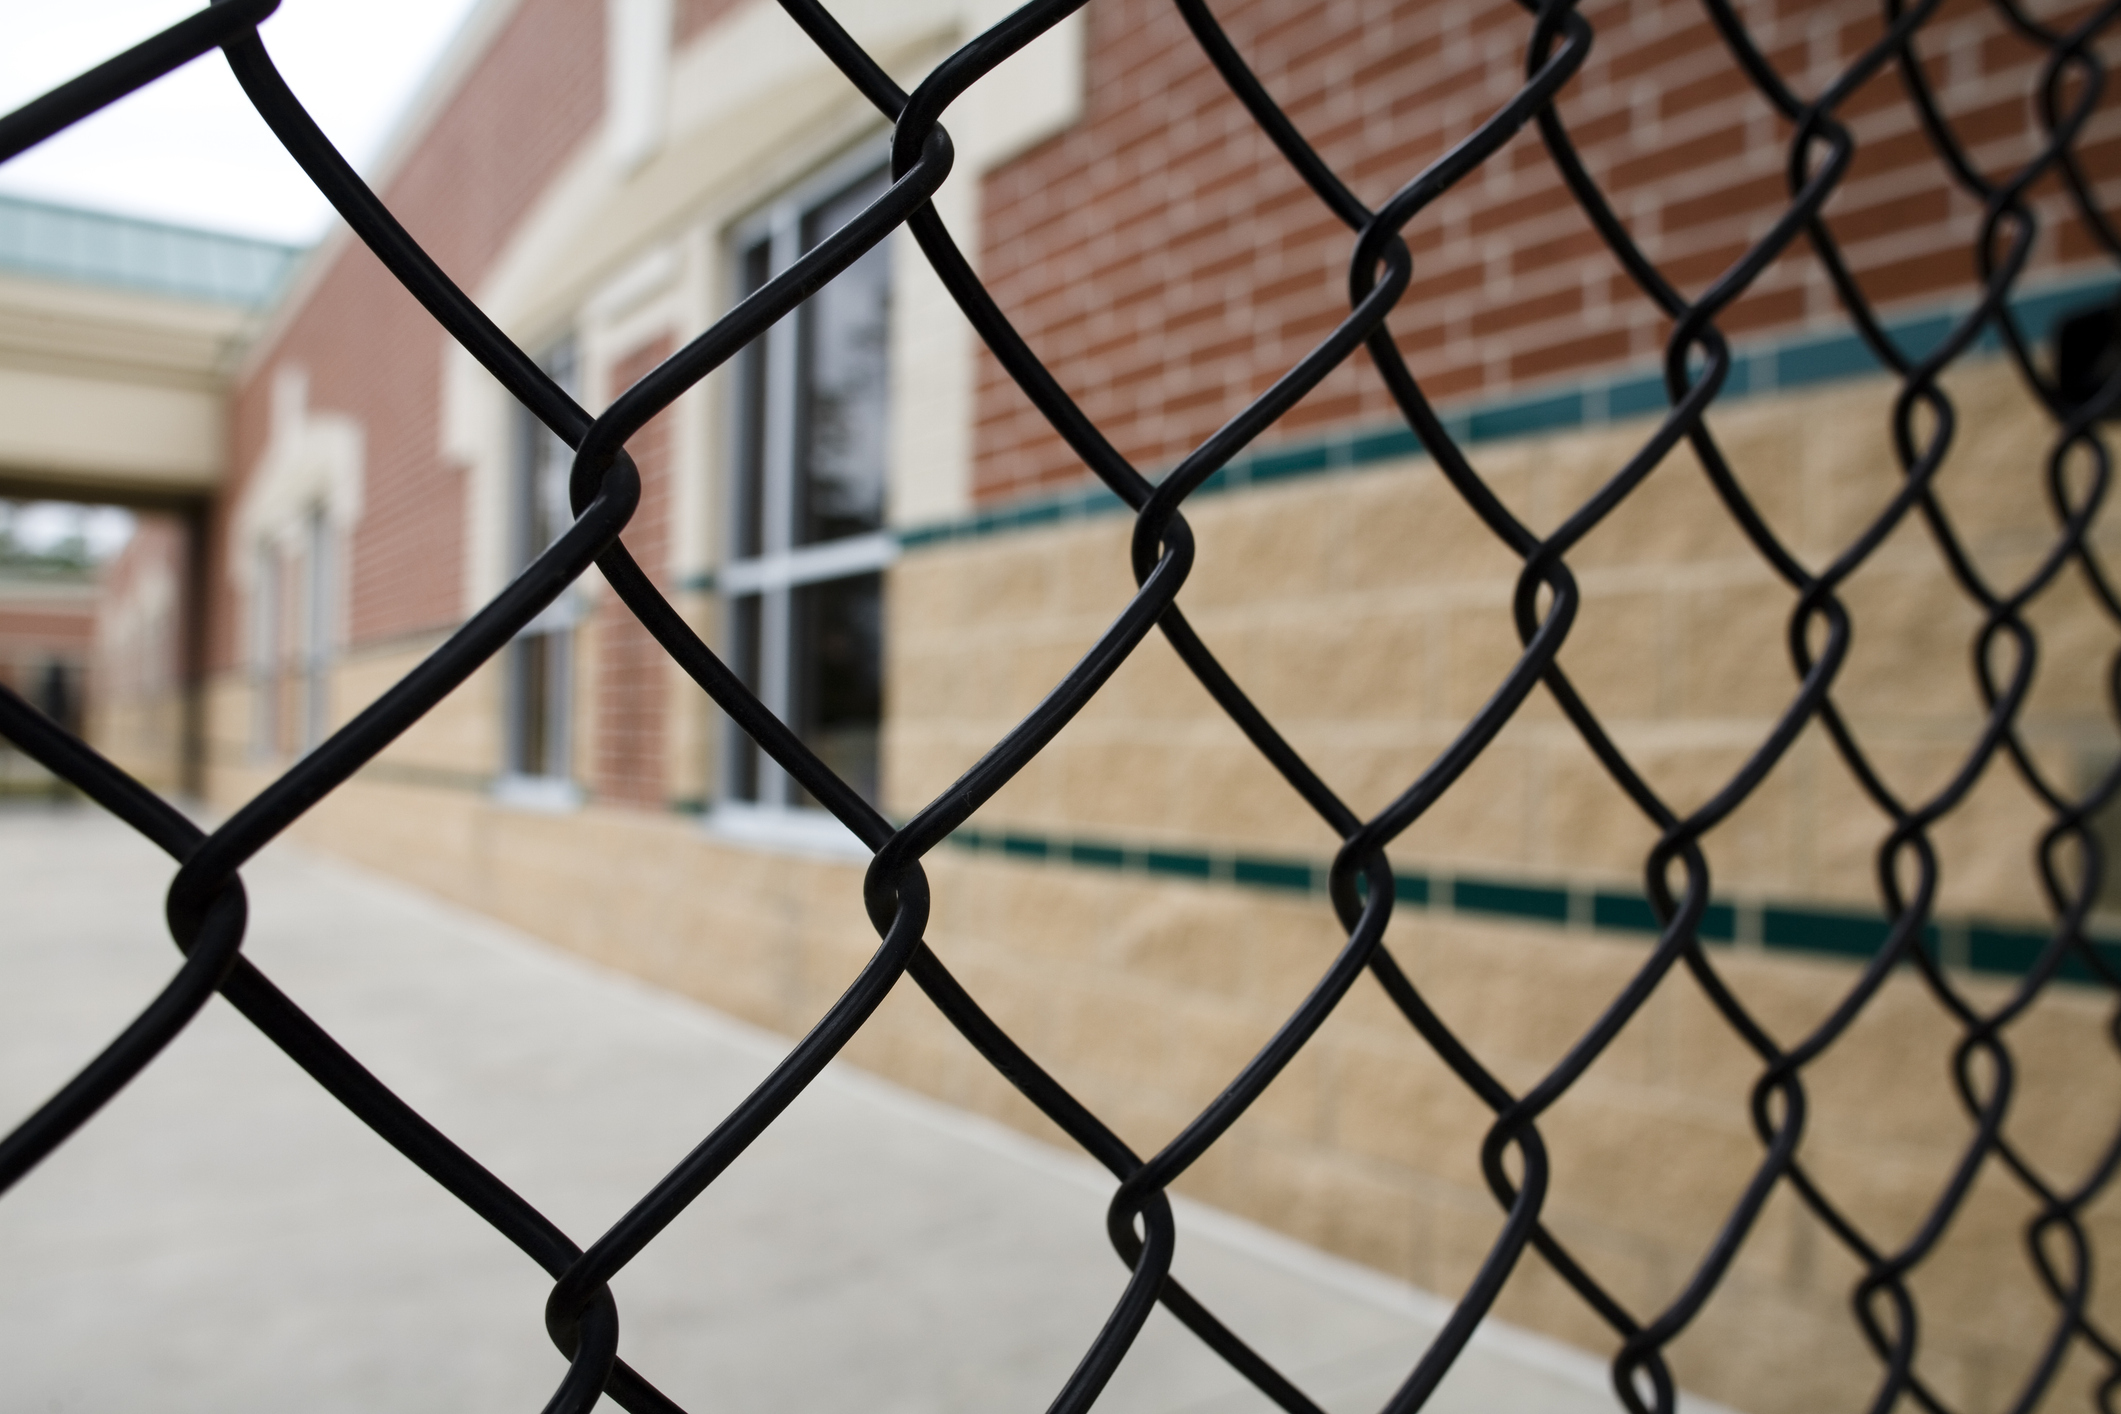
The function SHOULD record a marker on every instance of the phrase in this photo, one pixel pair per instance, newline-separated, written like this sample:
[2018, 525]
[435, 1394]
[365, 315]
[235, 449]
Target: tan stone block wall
[144, 737]
[1369, 615]
[461, 736]
[458, 742]
[461, 740]
[1144, 996]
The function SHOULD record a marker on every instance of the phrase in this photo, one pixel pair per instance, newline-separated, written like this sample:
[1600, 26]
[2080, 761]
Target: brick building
[140, 715]
[871, 523]
[47, 639]
[118, 339]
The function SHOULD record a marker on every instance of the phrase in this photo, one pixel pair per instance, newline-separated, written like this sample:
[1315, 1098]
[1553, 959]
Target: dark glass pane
[58, 697]
[836, 675]
[750, 506]
[2106, 835]
[742, 756]
[559, 687]
[530, 659]
[843, 394]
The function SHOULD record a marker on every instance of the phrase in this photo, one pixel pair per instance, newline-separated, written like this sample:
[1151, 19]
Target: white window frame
[293, 601]
[555, 788]
[265, 651]
[316, 628]
[781, 567]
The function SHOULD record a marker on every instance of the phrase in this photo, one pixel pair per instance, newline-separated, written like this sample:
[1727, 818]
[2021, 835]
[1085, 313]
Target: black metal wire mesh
[206, 908]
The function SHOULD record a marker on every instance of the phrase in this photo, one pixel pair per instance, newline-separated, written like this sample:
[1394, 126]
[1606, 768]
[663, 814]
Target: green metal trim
[123, 252]
[1982, 946]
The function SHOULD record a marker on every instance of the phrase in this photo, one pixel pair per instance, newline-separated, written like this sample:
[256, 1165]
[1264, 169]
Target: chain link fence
[2076, 387]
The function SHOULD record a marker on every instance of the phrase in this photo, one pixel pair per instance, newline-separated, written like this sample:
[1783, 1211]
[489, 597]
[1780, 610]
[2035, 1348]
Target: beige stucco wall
[106, 391]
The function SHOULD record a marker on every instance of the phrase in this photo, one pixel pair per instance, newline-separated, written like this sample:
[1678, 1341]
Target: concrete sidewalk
[224, 1237]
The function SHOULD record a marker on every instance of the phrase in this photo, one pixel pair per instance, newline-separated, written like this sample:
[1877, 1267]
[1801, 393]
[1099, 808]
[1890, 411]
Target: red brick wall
[692, 16]
[139, 626]
[632, 684]
[40, 626]
[1166, 262]
[374, 353]
[1168, 265]
[32, 629]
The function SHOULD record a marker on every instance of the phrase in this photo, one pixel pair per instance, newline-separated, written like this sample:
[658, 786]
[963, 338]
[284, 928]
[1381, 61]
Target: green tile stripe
[1796, 362]
[1977, 945]
[1548, 905]
[1983, 946]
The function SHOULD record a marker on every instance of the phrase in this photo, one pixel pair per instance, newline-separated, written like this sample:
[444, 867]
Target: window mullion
[559, 706]
[776, 674]
[782, 374]
[777, 527]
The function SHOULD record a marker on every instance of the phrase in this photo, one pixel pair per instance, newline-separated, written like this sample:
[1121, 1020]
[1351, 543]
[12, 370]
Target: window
[808, 542]
[2104, 825]
[265, 654]
[291, 638]
[58, 692]
[293, 526]
[316, 629]
[540, 663]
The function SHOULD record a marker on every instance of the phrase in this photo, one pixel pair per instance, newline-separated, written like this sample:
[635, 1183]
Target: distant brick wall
[374, 353]
[140, 624]
[632, 687]
[34, 631]
[46, 627]
[1168, 264]
[138, 613]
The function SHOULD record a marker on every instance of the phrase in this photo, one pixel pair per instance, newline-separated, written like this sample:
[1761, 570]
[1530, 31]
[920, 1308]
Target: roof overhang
[111, 394]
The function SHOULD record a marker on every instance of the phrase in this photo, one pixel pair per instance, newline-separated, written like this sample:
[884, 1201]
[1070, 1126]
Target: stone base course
[1145, 995]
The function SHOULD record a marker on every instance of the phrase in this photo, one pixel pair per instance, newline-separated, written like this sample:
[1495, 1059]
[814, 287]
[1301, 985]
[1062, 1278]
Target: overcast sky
[188, 148]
